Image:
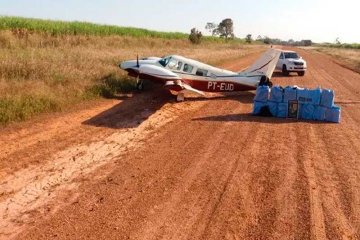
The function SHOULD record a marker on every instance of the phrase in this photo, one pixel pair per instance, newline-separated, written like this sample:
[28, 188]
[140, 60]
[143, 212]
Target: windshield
[164, 61]
[291, 55]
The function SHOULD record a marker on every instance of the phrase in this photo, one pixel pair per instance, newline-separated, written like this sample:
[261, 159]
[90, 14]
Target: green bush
[110, 86]
[22, 108]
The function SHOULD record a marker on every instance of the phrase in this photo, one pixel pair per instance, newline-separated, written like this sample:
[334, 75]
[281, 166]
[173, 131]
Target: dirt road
[145, 167]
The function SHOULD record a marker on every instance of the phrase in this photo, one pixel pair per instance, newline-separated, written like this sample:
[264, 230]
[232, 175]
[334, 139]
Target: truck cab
[290, 61]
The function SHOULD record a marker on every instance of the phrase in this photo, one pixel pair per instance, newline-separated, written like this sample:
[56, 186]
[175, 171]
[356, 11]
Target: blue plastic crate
[327, 98]
[290, 93]
[262, 94]
[309, 96]
[277, 94]
[273, 107]
[306, 111]
[258, 106]
[319, 113]
[282, 110]
[333, 114]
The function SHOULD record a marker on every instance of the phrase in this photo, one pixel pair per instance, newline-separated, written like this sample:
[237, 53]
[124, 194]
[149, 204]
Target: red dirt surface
[146, 167]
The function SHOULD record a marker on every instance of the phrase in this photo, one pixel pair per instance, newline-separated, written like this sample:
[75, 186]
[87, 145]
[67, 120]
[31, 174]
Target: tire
[302, 73]
[140, 85]
[285, 72]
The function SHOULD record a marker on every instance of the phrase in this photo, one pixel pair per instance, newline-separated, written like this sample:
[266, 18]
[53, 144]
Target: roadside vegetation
[346, 57]
[43, 71]
[56, 28]
[342, 45]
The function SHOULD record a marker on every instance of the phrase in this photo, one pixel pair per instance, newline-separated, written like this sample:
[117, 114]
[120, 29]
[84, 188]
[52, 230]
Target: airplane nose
[127, 64]
[123, 65]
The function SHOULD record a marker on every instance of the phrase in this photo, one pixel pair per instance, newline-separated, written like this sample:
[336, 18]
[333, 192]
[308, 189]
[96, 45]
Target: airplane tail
[266, 64]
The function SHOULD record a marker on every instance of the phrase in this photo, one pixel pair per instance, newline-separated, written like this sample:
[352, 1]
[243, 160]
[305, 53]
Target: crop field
[81, 28]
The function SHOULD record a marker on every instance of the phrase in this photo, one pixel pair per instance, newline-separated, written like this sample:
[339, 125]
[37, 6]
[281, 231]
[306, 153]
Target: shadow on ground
[242, 97]
[248, 117]
[134, 110]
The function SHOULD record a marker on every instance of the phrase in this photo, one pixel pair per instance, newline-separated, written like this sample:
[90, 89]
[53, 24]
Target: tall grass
[63, 28]
[349, 58]
[40, 72]
[81, 28]
[343, 45]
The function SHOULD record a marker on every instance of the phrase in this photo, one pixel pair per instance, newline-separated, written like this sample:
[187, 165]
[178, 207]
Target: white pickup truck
[290, 61]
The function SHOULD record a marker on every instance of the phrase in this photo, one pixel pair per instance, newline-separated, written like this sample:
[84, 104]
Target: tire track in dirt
[306, 156]
[33, 187]
[219, 173]
[194, 174]
[26, 191]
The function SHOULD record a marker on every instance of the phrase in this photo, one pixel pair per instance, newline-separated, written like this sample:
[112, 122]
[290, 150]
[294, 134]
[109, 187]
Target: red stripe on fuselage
[217, 86]
[202, 85]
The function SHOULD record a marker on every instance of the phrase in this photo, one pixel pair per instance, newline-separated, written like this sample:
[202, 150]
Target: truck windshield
[291, 55]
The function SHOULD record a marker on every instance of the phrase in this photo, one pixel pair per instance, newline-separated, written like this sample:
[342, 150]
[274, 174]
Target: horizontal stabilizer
[179, 85]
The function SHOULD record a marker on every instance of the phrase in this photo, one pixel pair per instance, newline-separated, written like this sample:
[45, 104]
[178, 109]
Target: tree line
[225, 29]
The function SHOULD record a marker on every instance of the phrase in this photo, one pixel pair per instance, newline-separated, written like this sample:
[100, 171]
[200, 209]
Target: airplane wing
[266, 64]
[179, 85]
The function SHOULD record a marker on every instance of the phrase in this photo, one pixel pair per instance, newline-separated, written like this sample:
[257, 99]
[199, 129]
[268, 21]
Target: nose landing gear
[139, 84]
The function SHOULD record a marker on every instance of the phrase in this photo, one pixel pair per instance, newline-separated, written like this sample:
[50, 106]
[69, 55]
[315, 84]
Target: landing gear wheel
[285, 71]
[265, 81]
[180, 97]
[140, 85]
[301, 73]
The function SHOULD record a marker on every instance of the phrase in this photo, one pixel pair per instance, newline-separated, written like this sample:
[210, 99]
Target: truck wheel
[285, 72]
[302, 73]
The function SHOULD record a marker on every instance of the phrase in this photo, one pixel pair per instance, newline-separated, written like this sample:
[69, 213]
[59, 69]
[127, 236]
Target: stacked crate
[311, 104]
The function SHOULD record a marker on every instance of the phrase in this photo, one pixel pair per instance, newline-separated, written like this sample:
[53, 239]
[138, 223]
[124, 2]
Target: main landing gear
[265, 81]
[180, 97]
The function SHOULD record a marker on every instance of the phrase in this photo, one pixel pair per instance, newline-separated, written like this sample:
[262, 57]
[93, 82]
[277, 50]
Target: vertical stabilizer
[266, 64]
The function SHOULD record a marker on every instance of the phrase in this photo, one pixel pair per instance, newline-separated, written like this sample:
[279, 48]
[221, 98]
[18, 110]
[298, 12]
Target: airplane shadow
[134, 110]
[242, 97]
[248, 117]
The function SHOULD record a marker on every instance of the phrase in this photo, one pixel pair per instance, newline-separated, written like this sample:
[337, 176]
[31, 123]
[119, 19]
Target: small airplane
[183, 75]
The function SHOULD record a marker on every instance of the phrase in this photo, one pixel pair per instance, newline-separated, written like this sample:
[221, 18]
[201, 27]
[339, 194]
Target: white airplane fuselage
[179, 74]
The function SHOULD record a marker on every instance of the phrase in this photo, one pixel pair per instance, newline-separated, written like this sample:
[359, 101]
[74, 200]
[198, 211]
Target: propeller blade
[137, 61]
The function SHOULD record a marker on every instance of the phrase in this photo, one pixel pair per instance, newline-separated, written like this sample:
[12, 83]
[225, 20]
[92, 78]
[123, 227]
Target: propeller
[137, 60]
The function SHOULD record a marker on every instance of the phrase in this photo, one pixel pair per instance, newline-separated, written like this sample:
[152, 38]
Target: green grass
[24, 107]
[109, 86]
[59, 28]
[344, 45]
[56, 28]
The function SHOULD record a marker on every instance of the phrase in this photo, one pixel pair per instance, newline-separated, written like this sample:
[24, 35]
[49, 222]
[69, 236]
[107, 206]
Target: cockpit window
[172, 64]
[201, 72]
[164, 61]
[188, 68]
[179, 65]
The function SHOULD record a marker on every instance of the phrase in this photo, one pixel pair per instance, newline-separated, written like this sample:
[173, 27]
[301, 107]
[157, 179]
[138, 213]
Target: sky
[318, 20]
